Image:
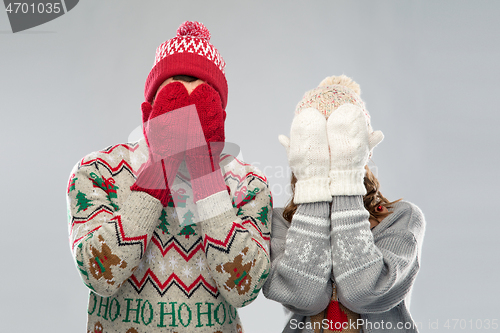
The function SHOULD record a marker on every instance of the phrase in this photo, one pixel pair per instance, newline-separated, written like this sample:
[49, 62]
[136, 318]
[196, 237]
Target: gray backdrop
[428, 71]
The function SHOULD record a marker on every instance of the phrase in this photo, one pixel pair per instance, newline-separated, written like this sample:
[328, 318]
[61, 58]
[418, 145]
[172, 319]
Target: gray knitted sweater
[373, 270]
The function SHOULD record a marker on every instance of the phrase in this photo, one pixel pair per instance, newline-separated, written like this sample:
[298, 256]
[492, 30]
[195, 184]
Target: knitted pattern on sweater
[148, 268]
[373, 270]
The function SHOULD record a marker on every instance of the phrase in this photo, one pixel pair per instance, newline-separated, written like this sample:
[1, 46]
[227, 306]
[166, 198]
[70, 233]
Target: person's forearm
[106, 244]
[300, 273]
[370, 277]
[236, 241]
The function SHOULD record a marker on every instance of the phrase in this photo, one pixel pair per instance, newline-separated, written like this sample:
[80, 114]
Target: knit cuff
[320, 210]
[142, 209]
[216, 205]
[347, 182]
[312, 190]
[347, 202]
[347, 211]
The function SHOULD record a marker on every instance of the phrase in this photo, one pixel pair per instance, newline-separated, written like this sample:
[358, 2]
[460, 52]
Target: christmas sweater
[148, 267]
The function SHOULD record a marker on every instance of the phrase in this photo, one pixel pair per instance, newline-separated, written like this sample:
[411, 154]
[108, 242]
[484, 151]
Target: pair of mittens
[328, 156]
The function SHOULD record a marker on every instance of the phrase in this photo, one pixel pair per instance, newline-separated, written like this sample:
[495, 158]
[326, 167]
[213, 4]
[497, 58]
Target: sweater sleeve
[236, 234]
[108, 235]
[373, 275]
[301, 265]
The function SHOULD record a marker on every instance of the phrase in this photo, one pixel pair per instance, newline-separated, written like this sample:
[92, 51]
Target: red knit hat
[189, 53]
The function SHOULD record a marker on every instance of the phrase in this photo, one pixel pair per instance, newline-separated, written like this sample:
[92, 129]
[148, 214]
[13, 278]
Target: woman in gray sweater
[344, 258]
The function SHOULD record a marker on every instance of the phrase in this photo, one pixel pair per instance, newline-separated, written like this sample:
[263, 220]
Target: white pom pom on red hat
[193, 29]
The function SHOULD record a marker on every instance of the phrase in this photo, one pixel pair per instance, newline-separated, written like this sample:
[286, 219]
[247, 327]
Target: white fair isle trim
[190, 44]
[318, 221]
[309, 276]
[354, 270]
[214, 205]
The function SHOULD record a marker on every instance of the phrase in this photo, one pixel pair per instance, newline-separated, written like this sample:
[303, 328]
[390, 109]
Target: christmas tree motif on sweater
[239, 278]
[72, 183]
[263, 213]
[82, 269]
[188, 230]
[163, 223]
[108, 186]
[100, 264]
[82, 202]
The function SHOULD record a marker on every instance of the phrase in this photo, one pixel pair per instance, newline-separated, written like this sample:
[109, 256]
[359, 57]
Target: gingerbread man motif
[100, 264]
[132, 330]
[97, 328]
[239, 273]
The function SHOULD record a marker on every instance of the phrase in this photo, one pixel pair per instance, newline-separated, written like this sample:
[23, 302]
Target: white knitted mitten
[351, 140]
[308, 156]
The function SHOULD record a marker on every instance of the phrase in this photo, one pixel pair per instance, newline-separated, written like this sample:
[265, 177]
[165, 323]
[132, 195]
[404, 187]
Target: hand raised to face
[351, 139]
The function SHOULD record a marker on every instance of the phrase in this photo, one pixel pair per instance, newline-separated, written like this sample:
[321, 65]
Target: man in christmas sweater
[168, 234]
